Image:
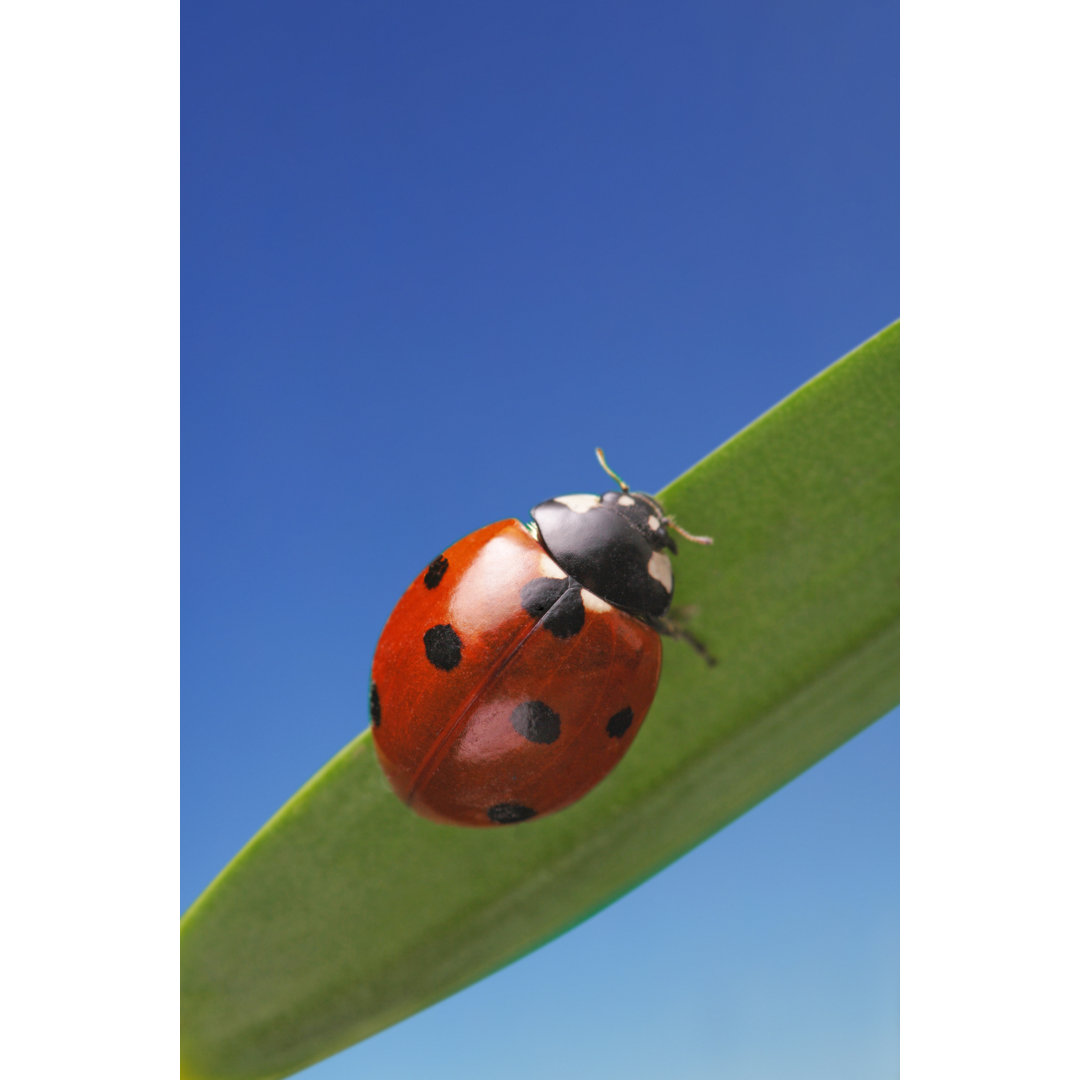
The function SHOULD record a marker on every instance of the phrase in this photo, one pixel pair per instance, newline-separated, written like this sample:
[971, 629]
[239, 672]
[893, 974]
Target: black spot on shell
[620, 723]
[539, 595]
[435, 571]
[535, 721]
[556, 601]
[443, 647]
[506, 813]
[567, 617]
[374, 706]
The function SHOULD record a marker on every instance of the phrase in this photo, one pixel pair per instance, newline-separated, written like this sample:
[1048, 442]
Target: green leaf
[347, 912]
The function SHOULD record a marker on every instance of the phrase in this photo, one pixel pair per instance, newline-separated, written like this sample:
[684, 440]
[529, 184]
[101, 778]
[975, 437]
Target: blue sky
[432, 255]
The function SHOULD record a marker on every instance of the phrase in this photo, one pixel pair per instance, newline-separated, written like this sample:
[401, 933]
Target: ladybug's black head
[615, 544]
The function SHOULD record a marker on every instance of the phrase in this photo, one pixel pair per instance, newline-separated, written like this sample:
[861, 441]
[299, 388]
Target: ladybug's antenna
[670, 522]
[623, 486]
[667, 520]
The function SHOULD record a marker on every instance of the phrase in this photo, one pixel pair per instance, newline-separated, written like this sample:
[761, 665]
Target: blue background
[432, 255]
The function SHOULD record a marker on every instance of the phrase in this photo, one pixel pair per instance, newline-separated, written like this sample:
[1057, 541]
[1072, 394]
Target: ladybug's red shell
[501, 688]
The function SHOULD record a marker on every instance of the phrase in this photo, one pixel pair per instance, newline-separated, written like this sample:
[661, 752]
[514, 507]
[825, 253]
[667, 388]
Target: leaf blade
[347, 913]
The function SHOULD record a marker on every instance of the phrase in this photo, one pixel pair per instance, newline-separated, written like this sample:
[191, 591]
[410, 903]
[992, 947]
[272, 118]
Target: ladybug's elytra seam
[433, 758]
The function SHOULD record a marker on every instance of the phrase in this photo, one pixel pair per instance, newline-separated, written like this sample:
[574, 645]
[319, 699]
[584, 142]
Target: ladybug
[517, 669]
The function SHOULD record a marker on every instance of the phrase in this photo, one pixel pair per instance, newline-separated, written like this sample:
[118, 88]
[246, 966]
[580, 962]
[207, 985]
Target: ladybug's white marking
[626, 500]
[660, 568]
[580, 504]
[549, 567]
[593, 602]
[654, 522]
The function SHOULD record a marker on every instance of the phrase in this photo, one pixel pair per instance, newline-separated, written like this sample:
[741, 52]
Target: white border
[990, 748]
[89, 547]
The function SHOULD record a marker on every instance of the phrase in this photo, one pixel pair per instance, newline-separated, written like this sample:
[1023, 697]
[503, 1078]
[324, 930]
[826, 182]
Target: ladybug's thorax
[615, 544]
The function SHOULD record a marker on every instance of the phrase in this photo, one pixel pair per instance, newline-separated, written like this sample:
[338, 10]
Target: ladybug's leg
[673, 629]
